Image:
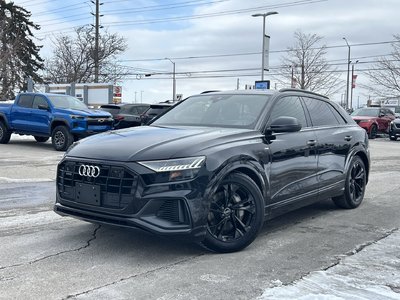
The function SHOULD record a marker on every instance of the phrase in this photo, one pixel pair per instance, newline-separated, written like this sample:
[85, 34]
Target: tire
[356, 181]
[393, 138]
[5, 133]
[236, 214]
[61, 138]
[41, 139]
[373, 132]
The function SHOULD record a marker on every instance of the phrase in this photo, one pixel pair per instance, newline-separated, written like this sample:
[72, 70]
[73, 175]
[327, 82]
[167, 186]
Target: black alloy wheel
[356, 181]
[61, 138]
[5, 134]
[373, 132]
[236, 214]
[41, 139]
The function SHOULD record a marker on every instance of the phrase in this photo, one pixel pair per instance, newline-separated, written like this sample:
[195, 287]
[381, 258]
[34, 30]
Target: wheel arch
[365, 160]
[259, 181]
[250, 168]
[58, 122]
[372, 125]
[4, 119]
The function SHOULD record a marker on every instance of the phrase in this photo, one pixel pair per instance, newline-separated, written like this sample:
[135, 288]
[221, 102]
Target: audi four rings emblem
[89, 171]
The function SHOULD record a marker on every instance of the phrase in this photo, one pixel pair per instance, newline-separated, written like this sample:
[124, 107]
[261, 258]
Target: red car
[373, 119]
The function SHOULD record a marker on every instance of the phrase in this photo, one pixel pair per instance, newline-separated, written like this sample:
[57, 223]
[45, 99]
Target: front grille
[115, 187]
[397, 125]
[99, 121]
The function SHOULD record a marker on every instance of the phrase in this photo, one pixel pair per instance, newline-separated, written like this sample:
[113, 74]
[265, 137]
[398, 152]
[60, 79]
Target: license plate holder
[88, 194]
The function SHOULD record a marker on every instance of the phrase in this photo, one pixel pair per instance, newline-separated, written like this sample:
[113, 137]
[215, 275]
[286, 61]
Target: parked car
[394, 129]
[243, 158]
[125, 114]
[373, 119]
[153, 111]
[62, 117]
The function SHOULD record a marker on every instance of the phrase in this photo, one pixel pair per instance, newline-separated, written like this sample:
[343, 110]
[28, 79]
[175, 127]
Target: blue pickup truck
[62, 117]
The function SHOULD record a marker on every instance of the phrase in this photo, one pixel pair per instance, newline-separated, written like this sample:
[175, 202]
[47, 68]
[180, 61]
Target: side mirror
[43, 107]
[381, 115]
[285, 124]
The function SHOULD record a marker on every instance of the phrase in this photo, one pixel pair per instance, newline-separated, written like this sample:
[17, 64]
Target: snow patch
[369, 274]
[13, 180]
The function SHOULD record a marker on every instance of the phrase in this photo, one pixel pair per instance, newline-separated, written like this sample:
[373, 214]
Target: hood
[84, 112]
[156, 143]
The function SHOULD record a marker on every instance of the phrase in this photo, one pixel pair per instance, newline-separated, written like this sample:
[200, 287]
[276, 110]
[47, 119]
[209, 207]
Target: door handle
[311, 142]
[348, 138]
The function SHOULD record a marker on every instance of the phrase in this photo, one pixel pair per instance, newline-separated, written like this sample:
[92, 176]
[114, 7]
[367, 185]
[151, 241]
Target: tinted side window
[142, 109]
[39, 100]
[320, 112]
[133, 110]
[338, 116]
[25, 101]
[289, 107]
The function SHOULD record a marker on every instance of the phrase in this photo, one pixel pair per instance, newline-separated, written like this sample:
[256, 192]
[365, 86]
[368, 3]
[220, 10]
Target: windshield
[237, 111]
[370, 112]
[67, 102]
[114, 110]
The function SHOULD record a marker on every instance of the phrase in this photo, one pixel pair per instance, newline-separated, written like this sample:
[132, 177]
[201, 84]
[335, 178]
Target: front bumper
[90, 126]
[121, 196]
[394, 130]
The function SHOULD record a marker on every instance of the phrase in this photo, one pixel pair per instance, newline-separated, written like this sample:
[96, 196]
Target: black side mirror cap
[285, 124]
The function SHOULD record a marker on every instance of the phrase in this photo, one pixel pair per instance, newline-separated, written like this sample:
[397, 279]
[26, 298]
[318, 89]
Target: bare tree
[73, 57]
[305, 66]
[385, 74]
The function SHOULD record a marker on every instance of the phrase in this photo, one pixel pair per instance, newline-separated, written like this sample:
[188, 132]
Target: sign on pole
[266, 52]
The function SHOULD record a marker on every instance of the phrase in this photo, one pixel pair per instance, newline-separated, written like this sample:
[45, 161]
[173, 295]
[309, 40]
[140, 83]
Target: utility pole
[96, 39]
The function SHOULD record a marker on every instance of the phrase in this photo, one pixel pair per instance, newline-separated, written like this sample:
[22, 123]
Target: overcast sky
[216, 43]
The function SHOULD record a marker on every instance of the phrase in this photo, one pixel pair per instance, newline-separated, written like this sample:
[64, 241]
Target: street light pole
[263, 39]
[173, 80]
[348, 74]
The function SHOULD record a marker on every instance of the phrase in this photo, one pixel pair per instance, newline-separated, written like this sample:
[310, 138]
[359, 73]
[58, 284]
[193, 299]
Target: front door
[293, 158]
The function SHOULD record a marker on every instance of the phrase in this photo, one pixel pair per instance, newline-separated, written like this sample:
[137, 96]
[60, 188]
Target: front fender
[243, 164]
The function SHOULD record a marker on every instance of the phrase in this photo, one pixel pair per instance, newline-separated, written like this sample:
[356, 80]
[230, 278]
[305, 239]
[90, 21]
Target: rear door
[21, 113]
[334, 143]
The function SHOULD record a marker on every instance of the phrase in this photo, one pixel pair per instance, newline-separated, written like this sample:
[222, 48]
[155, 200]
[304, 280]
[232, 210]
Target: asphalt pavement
[318, 252]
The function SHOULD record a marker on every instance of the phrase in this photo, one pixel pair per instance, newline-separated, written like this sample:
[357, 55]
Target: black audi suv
[217, 165]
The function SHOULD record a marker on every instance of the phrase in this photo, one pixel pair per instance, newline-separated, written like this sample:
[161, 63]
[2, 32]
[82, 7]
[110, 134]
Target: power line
[130, 11]
[199, 16]
[256, 53]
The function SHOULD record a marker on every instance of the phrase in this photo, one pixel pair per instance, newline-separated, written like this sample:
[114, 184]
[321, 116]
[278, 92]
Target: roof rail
[303, 91]
[210, 91]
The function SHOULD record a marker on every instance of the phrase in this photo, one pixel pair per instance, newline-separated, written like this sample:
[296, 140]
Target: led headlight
[175, 169]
